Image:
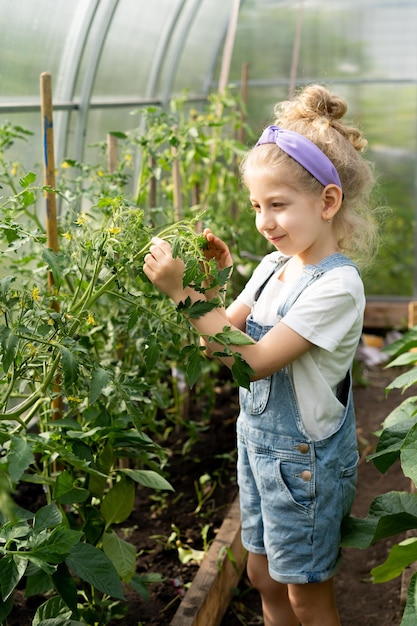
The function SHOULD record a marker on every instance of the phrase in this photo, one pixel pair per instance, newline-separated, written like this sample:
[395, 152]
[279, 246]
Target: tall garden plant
[395, 512]
[95, 342]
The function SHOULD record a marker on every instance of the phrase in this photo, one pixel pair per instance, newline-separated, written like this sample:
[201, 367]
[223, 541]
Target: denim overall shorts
[294, 491]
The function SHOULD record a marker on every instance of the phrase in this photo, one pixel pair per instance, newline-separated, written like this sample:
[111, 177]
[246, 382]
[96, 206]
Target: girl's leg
[276, 606]
[314, 603]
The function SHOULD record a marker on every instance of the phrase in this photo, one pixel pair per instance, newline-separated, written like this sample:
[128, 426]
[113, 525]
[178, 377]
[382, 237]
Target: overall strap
[274, 266]
[310, 274]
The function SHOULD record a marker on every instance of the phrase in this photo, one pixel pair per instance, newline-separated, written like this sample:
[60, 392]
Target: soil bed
[164, 523]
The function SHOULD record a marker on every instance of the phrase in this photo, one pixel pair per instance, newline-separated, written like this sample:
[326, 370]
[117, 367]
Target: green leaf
[389, 514]
[191, 272]
[51, 547]
[410, 612]
[197, 309]
[9, 343]
[60, 621]
[407, 358]
[65, 585]
[232, 337]
[400, 557]
[12, 569]
[99, 380]
[52, 260]
[151, 353]
[27, 198]
[66, 492]
[19, 458]
[194, 362]
[148, 478]
[405, 380]
[69, 365]
[93, 566]
[118, 504]
[121, 553]
[37, 583]
[118, 134]
[408, 454]
[27, 180]
[242, 372]
[47, 517]
[52, 609]
[5, 284]
[403, 344]
[5, 609]
[140, 583]
[395, 430]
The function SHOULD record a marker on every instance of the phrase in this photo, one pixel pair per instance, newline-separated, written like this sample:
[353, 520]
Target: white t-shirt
[329, 314]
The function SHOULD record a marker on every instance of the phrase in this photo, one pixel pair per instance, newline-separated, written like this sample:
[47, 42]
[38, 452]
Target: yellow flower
[114, 231]
[73, 399]
[100, 173]
[67, 236]
[128, 158]
[35, 293]
[13, 171]
[65, 165]
[81, 219]
[90, 320]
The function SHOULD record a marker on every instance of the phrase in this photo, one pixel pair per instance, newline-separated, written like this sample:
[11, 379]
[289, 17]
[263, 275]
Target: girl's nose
[265, 220]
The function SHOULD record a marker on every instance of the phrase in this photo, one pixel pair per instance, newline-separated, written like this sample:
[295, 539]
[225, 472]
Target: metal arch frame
[176, 55]
[208, 83]
[107, 9]
[161, 50]
[69, 70]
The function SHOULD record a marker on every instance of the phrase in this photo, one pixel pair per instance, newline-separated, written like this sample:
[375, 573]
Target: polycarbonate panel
[202, 44]
[131, 45]
[350, 39]
[32, 40]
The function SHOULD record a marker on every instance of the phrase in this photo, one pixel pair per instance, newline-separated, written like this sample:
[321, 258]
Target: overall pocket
[254, 401]
[348, 479]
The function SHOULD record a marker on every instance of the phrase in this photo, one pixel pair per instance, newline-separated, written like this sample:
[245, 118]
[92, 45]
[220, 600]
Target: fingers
[159, 248]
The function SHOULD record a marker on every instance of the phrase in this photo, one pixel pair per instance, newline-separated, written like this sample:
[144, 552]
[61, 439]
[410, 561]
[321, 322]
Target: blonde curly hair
[317, 114]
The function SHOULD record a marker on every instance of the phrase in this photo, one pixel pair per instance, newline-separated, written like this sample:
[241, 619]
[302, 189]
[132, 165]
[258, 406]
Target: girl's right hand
[217, 249]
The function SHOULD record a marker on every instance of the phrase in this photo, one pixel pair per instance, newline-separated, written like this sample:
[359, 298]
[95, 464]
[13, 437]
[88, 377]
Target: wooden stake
[229, 45]
[50, 201]
[49, 162]
[244, 97]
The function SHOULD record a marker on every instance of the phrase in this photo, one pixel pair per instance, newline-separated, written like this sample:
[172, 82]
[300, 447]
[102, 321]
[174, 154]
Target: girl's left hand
[163, 270]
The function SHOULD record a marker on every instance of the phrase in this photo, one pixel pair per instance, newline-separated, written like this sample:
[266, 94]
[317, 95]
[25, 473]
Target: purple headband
[304, 151]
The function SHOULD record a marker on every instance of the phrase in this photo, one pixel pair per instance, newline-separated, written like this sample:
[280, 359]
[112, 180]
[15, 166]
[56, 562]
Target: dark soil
[163, 524]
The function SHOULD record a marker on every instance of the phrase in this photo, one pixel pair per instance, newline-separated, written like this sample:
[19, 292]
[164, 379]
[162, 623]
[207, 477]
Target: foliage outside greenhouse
[85, 399]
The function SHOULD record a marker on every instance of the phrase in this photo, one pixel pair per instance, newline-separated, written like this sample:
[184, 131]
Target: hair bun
[317, 110]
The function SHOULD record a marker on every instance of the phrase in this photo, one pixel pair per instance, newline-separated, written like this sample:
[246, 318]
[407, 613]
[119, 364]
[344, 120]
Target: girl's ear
[332, 197]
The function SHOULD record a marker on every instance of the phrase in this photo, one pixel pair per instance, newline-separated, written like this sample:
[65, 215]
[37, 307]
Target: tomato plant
[87, 383]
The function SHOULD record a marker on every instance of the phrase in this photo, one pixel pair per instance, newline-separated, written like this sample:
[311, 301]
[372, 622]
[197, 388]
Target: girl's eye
[255, 208]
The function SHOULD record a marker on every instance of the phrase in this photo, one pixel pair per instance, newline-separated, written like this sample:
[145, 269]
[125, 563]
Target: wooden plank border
[209, 596]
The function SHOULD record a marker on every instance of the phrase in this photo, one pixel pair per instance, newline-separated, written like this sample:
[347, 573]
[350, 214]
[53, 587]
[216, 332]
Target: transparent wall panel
[32, 40]
[202, 45]
[131, 46]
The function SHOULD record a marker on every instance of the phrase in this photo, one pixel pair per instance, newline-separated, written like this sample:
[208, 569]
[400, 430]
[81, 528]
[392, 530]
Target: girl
[303, 310]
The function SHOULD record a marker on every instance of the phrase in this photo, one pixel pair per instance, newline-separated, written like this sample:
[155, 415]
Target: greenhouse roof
[108, 59]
